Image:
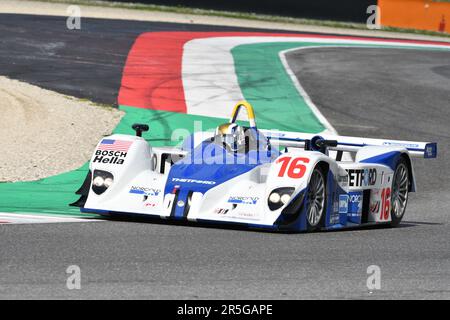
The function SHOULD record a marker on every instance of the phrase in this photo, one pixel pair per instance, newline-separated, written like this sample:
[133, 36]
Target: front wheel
[316, 200]
[400, 189]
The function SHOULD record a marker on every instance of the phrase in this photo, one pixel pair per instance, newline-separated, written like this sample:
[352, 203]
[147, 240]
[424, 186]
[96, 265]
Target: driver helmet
[231, 135]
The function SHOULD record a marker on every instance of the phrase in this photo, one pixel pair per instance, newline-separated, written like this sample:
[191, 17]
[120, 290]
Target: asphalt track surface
[84, 63]
[371, 92]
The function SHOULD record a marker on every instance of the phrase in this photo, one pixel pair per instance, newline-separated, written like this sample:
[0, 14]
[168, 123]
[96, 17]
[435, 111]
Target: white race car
[273, 180]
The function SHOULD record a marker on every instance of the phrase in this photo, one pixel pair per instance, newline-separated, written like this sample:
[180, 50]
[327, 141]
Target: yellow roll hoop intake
[250, 113]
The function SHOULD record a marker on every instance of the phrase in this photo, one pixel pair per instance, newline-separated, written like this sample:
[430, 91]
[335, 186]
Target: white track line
[26, 218]
[329, 128]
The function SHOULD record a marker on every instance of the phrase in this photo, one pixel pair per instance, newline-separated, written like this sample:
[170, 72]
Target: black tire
[399, 191]
[316, 201]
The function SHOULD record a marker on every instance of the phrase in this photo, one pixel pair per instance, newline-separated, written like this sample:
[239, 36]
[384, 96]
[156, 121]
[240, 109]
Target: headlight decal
[102, 180]
[279, 197]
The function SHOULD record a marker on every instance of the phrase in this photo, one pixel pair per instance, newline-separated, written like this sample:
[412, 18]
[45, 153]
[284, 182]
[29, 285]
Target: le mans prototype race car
[284, 181]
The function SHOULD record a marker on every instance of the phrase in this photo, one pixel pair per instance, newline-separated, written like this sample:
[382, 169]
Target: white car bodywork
[145, 182]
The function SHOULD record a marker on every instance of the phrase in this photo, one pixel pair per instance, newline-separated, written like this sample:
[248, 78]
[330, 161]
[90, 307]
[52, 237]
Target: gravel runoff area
[61, 9]
[44, 133]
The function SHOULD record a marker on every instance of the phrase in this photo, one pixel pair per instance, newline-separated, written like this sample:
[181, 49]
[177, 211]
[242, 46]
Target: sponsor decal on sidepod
[193, 181]
[362, 177]
[343, 203]
[354, 204]
[243, 200]
[145, 191]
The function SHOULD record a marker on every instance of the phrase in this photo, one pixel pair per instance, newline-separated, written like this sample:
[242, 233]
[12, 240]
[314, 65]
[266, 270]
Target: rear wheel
[316, 200]
[400, 189]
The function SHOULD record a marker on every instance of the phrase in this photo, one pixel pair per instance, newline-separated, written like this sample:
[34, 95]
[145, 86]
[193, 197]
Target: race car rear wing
[350, 144]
